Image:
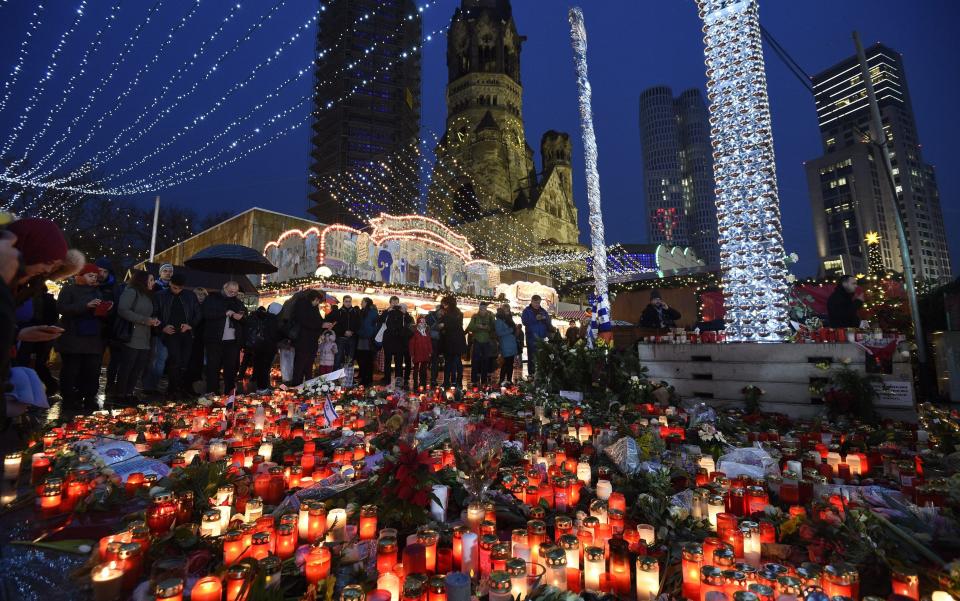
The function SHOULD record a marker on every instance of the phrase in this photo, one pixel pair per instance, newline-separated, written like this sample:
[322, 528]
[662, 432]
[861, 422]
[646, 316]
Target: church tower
[485, 179]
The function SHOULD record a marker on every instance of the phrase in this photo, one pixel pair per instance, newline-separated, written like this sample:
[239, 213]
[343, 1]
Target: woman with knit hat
[81, 345]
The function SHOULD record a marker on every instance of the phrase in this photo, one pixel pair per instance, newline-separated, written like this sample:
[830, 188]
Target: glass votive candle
[648, 578]
[208, 588]
[691, 562]
[107, 582]
[170, 589]
[368, 522]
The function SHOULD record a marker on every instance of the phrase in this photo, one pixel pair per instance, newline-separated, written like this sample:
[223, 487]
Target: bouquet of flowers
[477, 450]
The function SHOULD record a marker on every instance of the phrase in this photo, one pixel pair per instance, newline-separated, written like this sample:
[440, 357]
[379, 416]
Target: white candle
[438, 506]
[11, 465]
[224, 517]
[714, 506]
[217, 451]
[253, 511]
[107, 582]
[707, 463]
[594, 565]
[796, 467]
[648, 578]
[303, 521]
[648, 533]
[521, 551]
[475, 515]
[833, 460]
[583, 473]
[941, 596]
[469, 553]
[854, 462]
[190, 454]
[604, 488]
[390, 582]
[266, 451]
[751, 547]
[337, 524]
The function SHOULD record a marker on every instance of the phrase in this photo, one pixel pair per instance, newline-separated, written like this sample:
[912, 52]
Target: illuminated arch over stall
[406, 250]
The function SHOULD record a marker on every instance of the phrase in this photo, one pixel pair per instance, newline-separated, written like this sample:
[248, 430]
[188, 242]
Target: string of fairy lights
[115, 65]
[150, 183]
[24, 50]
[41, 86]
[164, 89]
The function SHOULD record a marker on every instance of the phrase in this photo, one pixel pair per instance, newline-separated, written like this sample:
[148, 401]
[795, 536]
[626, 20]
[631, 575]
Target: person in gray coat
[81, 344]
[136, 306]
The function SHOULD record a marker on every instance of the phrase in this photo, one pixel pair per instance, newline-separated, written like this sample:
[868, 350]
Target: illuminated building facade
[849, 188]
[363, 52]
[678, 171]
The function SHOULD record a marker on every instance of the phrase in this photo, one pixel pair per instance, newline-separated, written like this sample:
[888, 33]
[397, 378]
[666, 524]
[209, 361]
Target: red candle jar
[841, 580]
[710, 544]
[130, 560]
[237, 577]
[317, 565]
[617, 501]
[906, 583]
[162, 513]
[789, 492]
[620, 566]
[691, 564]
[232, 547]
[386, 554]
[184, 506]
[134, 481]
[711, 580]
[726, 523]
[368, 522]
[40, 467]
[757, 499]
[208, 588]
[286, 541]
[260, 545]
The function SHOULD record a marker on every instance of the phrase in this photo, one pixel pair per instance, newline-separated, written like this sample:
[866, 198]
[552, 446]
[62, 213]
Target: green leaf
[79, 546]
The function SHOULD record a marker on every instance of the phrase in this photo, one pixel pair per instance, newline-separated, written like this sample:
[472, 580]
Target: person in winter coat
[433, 324]
[262, 335]
[454, 342]
[194, 371]
[9, 265]
[395, 341]
[306, 326]
[81, 344]
[658, 314]
[37, 354]
[366, 332]
[482, 329]
[421, 351]
[506, 331]
[179, 313]
[327, 352]
[346, 325]
[538, 325]
[844, 303]
[136, 306]
[223, 332]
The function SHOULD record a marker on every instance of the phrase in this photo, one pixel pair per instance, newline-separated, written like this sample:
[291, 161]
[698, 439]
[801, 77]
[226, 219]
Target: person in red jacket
[421, 350]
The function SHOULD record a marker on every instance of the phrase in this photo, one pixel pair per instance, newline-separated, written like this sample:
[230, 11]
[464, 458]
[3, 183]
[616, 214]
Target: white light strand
[17, 69]
[113, 150]
[146, 185]
[56, 109]
[41, 86]
[752, 259]
[94, 161]
[114, 67]
[167, 40]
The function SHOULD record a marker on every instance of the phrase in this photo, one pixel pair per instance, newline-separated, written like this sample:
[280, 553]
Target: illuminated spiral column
[748, 209]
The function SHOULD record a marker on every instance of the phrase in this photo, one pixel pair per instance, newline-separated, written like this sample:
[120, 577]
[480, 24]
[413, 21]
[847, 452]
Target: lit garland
[145, 184]
[71, 84]
[748, 211]
[41, 86]
[356, 283]
[114, 67]
[31, 31]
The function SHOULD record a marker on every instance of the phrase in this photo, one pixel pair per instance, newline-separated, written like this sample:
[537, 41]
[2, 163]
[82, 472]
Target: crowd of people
[147, 328]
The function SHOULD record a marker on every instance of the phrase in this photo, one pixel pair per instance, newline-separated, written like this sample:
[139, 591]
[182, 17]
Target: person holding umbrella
[223, 331]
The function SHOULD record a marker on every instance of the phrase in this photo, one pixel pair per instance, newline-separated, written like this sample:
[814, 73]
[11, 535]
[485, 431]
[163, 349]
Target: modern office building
[678, 171]
[849, 187]
[367, 101]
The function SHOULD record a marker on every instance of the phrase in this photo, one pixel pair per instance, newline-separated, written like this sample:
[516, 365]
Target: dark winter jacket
[191, 307]
[309, 322]
[262, 330]
[398, 332]
[842, 309]
[345, 320]
[453, 340]
[214, 311]
[83, 331]
[657, 317]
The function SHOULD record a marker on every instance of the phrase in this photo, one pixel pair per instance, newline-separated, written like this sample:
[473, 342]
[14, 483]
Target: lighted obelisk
[754, 273]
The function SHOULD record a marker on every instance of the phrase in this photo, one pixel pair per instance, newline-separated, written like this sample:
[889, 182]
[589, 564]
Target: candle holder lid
[500, 581]
[169, 588]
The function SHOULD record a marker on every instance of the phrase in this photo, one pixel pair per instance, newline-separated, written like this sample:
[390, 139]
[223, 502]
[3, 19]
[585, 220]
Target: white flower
[634, 378]
[791, 278]
[678, 513]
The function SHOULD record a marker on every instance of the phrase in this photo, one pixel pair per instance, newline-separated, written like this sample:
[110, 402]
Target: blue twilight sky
[633, 45]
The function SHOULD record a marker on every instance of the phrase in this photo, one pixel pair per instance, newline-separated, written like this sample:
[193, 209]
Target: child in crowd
[421, 351]
[328, 352]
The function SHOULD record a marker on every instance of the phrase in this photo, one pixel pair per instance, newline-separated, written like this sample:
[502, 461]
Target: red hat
[89, 268]
[39, 240]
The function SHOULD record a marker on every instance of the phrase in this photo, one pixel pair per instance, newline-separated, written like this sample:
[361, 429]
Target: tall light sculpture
[601, 300]
[754, 273]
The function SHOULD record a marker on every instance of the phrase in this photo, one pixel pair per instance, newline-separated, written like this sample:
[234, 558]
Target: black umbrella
[230, 258]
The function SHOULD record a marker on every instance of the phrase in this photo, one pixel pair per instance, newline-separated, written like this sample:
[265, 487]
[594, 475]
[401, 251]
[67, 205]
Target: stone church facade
[485, 182]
